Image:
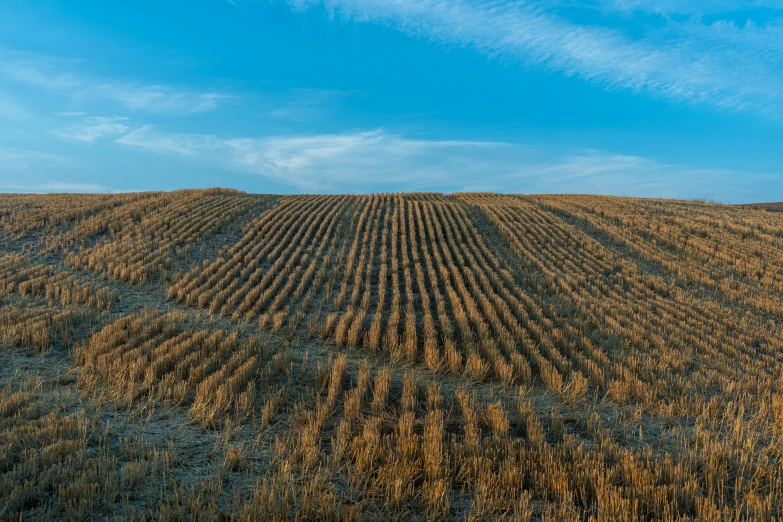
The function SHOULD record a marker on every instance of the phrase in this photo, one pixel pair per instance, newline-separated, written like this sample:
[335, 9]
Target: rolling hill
[211, 354]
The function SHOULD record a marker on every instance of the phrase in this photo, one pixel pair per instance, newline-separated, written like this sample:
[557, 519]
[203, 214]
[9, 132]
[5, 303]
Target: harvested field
[213, 354]
[772, 207]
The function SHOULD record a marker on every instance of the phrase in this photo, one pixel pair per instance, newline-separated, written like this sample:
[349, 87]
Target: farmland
[215, 354]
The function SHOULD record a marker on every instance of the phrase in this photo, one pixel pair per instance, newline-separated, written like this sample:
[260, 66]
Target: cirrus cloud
[61, 76]
[377, 161]
[93, 128]
[719, 63]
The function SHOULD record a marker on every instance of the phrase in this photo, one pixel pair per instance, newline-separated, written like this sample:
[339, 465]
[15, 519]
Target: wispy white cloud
[304, 103]
[595, 172]
[372, 161]
[688, 7]
[353, 162]
[10, 109]
[93, 128]
[20, 160]
[158, 98]
[357, 162]
[34, 171]
[55, 186]
[58, 76]
[147, 137]
[689, 61]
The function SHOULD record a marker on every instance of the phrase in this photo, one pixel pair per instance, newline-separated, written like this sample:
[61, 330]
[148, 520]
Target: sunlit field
[215, 354]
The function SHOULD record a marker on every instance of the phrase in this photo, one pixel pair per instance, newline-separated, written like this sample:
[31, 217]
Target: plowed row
[398, 356]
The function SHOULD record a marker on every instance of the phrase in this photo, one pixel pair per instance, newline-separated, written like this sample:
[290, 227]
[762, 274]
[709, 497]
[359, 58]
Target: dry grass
[148, 237]
[409, 357]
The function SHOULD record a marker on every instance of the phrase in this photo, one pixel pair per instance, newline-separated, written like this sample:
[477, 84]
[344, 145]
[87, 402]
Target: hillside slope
[206, 354]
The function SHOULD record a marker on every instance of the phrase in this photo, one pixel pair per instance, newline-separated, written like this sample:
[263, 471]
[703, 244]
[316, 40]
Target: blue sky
[654, 98]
